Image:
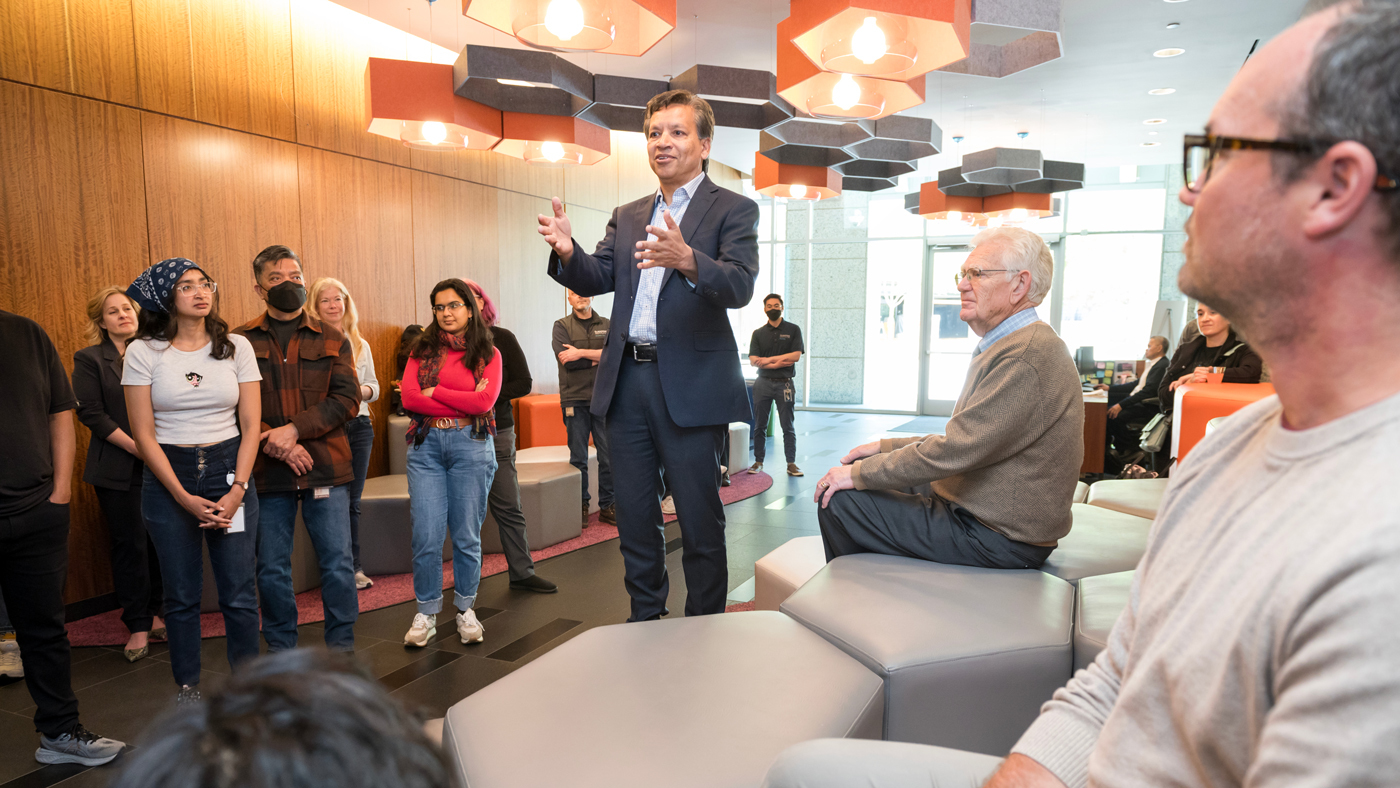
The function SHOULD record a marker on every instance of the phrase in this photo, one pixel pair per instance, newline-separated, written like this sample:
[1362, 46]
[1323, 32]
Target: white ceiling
[1088, 106]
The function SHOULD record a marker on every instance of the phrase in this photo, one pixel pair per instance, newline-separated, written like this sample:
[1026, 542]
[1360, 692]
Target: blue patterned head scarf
[154, 289]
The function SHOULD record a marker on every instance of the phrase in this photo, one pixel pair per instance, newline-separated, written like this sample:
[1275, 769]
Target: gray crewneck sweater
[1261, 642]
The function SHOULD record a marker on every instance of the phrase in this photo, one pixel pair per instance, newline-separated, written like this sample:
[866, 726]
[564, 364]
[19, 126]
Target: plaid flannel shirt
[312, 384]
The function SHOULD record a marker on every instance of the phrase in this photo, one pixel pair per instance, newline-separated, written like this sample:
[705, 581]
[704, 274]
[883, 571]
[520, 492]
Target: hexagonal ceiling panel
[1011, 37]
[741, 98]
[540, 83]
[952, 183]
[810, 142]
[897, 138]
[1001, 166]
[1057, 176]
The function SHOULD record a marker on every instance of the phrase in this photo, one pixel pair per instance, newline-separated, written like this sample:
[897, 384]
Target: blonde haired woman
[114, 466]
[329, 301]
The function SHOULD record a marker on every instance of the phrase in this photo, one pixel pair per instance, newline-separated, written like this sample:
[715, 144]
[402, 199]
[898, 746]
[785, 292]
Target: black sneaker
[188, 694]
[608, 514]
[78, 746]
[534, 583]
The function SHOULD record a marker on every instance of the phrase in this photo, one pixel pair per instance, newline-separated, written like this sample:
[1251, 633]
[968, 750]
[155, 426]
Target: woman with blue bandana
[195, 409]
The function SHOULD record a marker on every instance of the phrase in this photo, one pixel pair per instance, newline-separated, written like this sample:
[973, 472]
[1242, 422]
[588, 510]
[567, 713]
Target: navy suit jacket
[697, 357]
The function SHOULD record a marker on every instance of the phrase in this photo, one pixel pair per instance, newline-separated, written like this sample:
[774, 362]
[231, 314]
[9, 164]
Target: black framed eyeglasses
[1199, 152]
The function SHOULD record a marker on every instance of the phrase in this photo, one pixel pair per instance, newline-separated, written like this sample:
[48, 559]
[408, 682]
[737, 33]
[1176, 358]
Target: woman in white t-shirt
[329, 302]
[195, 409]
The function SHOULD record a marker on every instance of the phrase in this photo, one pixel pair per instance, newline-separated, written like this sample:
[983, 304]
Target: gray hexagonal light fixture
[741, 98]
[867, 184]
[620, 103]
[911, 203]
[810, 143]
[952, 183]
[897, 138]
[1011, 37]
[1057, 176]
[1001, 166]
[864, 168]
[539, 83]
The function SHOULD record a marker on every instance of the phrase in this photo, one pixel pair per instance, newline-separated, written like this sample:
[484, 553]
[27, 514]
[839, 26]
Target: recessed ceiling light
[1151, 133]
[1154, 121]
[1173, 25]
[1173, 1]
[1169, 52]
[1150, 144]
[1161, 91]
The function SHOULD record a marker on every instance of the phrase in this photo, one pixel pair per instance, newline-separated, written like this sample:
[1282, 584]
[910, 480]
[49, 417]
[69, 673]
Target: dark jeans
[178, 538]
[328, 524]
[780, 391]
[33, 569]
[918, 526]
[1125, 433]
[580, 425]
[360, 432]
[643, 440]
[135, 567]
[504, 503]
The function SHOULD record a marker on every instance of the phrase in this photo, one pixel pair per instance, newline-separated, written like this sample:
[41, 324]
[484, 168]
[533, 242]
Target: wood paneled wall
[135, 130]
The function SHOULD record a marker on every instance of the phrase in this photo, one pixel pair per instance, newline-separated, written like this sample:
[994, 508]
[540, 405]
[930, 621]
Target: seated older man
[994, 490]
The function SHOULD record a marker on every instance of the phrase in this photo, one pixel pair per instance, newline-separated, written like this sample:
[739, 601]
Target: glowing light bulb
[868, 44]
[846, 94]
[434, 132]
[564, 18]
[1019, 214]
[552, 150]
[995, 221]
[955, 216]
[798, 191]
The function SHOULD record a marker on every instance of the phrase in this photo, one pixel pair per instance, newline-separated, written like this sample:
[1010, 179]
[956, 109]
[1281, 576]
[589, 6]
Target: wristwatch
[244, 485]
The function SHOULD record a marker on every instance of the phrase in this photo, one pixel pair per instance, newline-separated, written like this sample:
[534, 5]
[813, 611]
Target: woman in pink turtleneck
[449, 390]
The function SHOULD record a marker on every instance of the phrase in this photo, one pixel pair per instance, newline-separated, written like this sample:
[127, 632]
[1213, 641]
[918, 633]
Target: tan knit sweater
[1012, 450]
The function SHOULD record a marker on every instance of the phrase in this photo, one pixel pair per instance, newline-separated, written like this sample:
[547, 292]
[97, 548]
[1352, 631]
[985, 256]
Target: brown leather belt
[444, 423]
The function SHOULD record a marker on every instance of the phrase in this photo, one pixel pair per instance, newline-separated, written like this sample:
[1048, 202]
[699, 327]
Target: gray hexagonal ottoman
[968, 655]
[708, 702]
[1101, 601]
[1100, 542]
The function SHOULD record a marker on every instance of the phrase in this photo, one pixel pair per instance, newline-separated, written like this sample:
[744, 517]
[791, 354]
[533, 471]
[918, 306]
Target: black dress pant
[135, 568]
[33, 569]
[643, 440]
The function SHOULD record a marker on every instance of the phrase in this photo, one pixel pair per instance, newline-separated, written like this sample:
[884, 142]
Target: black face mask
[774, 314]
[288, 296]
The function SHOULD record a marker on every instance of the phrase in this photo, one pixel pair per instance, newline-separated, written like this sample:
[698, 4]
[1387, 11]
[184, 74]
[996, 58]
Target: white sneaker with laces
[10, 664]
[423, 629]
[668, 505]
[469, 628]
[362, 581]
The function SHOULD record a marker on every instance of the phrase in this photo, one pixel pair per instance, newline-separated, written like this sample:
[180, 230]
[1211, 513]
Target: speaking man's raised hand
[558, 231]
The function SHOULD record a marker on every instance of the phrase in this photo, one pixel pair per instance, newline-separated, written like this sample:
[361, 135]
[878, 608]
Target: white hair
[1022, 250]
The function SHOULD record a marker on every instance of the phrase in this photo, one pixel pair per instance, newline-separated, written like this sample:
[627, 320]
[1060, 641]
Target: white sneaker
[469, 628]
[668, 506]
[362, 581]
[10, 664]
[423, 629]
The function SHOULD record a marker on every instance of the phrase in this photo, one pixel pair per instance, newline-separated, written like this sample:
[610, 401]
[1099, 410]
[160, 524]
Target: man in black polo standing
[578, 345]
[774, 350]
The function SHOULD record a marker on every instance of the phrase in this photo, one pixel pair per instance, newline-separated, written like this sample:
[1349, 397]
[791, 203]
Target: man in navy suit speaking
[669, 382]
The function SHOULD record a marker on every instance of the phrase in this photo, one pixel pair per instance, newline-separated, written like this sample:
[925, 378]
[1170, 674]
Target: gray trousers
[845, 763]
[504, 504]
[918, 526]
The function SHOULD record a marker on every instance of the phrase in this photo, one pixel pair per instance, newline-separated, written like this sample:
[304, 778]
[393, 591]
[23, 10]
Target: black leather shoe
[534, 583]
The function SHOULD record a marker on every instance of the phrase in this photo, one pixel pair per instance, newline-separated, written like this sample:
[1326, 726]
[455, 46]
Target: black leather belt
[636, 352]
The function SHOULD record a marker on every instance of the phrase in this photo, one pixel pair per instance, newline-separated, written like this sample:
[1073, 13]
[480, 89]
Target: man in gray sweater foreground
[1261, 642]
[995, 489]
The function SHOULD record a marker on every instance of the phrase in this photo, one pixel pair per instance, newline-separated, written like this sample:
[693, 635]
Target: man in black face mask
[309, 391]
[774, 350]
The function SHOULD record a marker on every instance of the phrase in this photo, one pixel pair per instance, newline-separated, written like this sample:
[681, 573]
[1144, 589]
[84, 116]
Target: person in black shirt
[1217, 346]
[578, 339]
[36, 485]
[774, 350]
[504, 498]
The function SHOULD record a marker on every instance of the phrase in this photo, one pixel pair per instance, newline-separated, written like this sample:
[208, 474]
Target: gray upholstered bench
[780, 573]
[705, 701]
[398, 447]
[739, 446]
[1081, 492]
[386, 527]
[1138, 497]
[549, 496]
[1100, 542]
[1101, 600]
[968, 655]
[557, 454]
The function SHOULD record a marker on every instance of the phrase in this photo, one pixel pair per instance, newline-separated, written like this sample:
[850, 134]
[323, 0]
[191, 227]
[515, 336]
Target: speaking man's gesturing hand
[669, 250]
[558, 231]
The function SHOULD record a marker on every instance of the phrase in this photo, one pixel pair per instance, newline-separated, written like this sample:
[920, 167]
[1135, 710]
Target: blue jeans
[579, 426]
[328, 524]
[177, 536]
[360, 432]
[449, 476]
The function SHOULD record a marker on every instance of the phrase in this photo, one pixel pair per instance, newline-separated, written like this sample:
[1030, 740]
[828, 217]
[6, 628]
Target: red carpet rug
[107, 629]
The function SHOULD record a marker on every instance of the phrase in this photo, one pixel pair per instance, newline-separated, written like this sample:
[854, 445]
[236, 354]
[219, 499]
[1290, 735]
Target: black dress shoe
[534, 583]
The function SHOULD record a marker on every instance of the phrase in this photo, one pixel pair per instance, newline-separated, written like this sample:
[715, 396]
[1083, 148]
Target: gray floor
[118, 699]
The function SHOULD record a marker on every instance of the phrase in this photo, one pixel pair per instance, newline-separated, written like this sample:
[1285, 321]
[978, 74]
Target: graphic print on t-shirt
[194, 378]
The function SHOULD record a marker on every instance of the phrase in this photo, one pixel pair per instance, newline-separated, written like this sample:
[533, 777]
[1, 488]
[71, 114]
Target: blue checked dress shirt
[642, 329]
[1017, 321]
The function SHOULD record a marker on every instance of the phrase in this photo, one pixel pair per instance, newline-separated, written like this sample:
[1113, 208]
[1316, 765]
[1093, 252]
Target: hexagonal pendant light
[614, 27]
[936, 205]
[551, 140]
[1008, 37]
[413, 102]
[826, 94]
[794, 181]
[891, 39]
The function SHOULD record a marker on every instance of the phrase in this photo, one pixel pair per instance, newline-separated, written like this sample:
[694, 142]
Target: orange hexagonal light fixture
[553, 140]
[413, 102]
[613, 27]
[890, 39]
[826, 94]
[1018, 206]
[935, 205]
[794, 181]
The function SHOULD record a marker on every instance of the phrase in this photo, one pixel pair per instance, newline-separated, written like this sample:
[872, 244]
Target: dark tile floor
[118, 699]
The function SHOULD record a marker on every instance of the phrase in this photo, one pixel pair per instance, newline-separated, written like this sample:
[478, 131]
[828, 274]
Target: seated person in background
[296, 719]
[994, 490]
[1217, 346]
[1127, 415]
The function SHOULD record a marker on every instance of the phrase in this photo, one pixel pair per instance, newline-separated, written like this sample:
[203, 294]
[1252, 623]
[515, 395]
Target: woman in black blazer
[114, 468]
